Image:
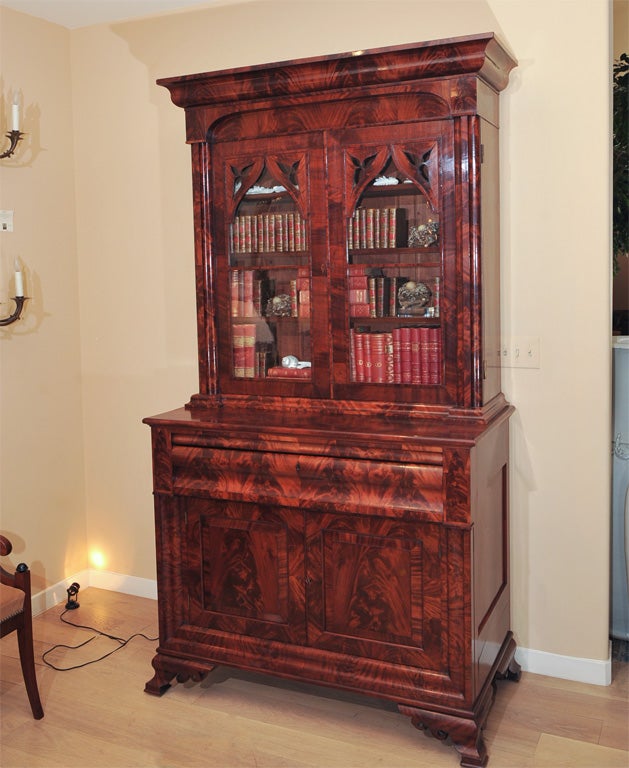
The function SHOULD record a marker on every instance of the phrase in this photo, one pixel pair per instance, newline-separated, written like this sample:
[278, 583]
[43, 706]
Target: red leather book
[434, 356]
[405, 354]
[397, 355]
[359, 354]
[279, 372]
[359, 310]
[238, 351]
[425, 356]
[389, 375]
[378, 366]
[248, 345]
[416, 357]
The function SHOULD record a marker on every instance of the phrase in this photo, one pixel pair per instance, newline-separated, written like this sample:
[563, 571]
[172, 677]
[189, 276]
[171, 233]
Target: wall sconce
[19, 297]
[14, 135]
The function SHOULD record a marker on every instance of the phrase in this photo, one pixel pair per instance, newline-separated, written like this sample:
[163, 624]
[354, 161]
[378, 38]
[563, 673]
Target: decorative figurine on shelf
[279, 306]
[423, 235]
[290, 361]
[413, 297]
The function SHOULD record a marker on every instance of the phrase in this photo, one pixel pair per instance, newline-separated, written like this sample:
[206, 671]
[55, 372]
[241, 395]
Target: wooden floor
[99, 715]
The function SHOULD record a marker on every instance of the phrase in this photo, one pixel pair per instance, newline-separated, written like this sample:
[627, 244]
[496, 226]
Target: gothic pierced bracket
[393, 162]
[271, 172]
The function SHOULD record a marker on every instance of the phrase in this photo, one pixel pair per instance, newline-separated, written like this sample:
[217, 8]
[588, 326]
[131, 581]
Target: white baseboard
[115, 582]
[594, 671]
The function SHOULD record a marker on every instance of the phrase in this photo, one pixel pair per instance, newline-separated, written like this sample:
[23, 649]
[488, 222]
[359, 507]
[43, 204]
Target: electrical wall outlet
[520, 352]
[6, 221]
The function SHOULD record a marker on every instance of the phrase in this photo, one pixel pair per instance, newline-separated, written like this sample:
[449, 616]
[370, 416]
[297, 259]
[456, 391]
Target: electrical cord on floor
[122, 642]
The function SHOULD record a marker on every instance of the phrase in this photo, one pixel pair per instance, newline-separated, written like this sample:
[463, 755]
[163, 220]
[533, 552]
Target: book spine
[389, 359]
[434, 356]
[383, 218]
[397, 356]
[247, 293]
[235, 278]
[424, 356]
[294, 302]
[367, 358]
[377, 357]
[369, 227]
[294, 238]
[405, 355]
[238, 351]
[373, 308]
[436, 295]
[416, 360]
[352, 354]
[359, 355]
[249, 344]
[260, 230]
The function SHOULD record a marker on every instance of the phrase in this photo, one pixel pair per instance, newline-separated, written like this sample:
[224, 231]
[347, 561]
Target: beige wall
[135, 277]
[42, 502]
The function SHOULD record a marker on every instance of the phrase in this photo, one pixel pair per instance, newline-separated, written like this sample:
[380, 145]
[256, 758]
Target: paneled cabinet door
[375, 588]
[394, 257]
[244, 569]
[269, 234]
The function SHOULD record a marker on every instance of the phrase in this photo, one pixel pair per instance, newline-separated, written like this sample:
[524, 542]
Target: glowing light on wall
[97, 559]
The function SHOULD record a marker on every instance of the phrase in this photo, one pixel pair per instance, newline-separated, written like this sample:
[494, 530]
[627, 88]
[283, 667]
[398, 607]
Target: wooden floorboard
[99, 715]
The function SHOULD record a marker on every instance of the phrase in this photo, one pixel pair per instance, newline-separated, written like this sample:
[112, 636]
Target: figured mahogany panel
[375, 589]
[243, 569]
[310, 481]
[337, 77]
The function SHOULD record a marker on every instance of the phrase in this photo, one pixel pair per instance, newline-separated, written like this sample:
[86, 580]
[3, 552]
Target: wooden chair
[15, 614]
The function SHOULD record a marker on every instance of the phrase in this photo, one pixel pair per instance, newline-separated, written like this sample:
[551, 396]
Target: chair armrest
[21, 579]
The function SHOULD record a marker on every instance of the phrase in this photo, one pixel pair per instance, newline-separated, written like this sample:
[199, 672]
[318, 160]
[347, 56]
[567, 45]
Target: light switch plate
[6, 221]
[520, 352]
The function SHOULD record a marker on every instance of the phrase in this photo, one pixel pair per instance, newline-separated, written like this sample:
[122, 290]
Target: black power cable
[122, 642]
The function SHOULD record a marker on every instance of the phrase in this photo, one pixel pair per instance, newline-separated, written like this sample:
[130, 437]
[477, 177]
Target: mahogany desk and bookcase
[332, 505]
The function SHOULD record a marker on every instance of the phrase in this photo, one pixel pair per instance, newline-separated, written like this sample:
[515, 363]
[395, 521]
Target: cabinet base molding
[461, 728]
[166, 669]
[465, 732]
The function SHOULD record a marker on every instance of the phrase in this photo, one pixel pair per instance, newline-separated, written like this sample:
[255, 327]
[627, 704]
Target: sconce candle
[19, 280]
[15, 112]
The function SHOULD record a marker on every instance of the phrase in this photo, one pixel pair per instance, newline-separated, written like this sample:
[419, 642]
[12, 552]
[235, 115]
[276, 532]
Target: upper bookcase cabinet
[346, 219]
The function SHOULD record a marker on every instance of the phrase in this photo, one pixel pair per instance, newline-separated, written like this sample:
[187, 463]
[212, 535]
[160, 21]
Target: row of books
[378, 228]
[377, 295]
[407, 355]
[268, 232]
[251, 359]
[253, 292]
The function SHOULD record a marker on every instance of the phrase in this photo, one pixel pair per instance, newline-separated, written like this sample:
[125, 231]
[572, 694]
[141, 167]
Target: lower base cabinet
[376, 569]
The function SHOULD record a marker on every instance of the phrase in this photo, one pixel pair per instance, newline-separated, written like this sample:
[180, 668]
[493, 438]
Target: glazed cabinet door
[375, 589]
[393, 232]
[269, 233]
[244, 569]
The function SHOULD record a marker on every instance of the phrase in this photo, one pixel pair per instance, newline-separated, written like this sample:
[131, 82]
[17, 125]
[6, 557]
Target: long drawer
[350, 485]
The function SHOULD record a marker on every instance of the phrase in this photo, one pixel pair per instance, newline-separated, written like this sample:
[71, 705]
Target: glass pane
[269, 277]
[394, 275]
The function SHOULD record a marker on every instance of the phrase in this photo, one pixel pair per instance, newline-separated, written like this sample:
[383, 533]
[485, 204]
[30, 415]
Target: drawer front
[303, 481]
